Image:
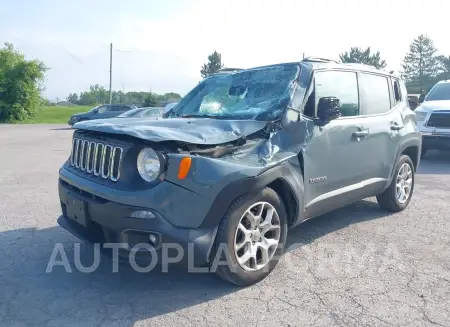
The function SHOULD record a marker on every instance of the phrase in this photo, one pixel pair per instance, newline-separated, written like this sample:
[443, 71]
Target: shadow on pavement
[336, 220]
[31, 295]
[61, 129]
[435, 162]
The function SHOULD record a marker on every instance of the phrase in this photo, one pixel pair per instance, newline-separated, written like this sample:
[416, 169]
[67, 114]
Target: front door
[103, 112]
[335, 165]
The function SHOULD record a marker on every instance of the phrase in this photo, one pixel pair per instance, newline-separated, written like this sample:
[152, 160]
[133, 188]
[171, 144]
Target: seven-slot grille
[96, 158]
[439, 120]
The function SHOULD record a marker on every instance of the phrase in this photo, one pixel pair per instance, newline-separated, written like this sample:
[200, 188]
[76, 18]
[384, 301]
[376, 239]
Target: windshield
[131, 112]
[439, 92]
[151, 112]
[261, 93]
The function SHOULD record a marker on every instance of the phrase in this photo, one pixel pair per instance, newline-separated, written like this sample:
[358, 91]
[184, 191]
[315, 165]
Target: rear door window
[119, 108]
[398, 96]
[375, 89]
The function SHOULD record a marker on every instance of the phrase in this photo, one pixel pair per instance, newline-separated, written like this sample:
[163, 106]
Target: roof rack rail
[318, 59]
[229, 69]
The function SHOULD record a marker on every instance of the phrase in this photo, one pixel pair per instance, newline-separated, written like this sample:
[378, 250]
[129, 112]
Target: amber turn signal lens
[185, 166]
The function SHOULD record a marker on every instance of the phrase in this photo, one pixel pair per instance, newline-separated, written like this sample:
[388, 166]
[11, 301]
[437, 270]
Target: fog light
[143, 214]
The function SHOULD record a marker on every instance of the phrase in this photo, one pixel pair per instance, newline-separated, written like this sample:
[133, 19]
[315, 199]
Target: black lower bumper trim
[109, 222]
[431, 142]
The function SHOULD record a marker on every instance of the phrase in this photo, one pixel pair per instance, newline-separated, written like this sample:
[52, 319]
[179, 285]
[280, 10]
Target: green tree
[421, 64]
[444, 62]
[20, 84]
[99, 95]
[213, 65]
[360, 56]
[95, 95]
[72, 98]
[150, 100]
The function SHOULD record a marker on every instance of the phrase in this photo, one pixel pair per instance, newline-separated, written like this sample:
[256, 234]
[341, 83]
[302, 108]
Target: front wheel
[250, 239]
[397, 196]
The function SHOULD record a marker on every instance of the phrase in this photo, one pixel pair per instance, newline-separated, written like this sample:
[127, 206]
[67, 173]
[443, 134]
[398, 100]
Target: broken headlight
[148, 164]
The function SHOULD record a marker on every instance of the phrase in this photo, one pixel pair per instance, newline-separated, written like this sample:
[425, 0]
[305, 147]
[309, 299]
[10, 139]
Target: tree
[72, 98]
[213, 65]
[20, 84]
[99, 95]
[150, 100]
[421, 64]
[444, 62]
[360, 56]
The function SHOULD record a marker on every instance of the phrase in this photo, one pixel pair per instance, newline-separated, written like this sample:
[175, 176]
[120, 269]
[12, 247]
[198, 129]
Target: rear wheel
[397, 196]
[251, 238]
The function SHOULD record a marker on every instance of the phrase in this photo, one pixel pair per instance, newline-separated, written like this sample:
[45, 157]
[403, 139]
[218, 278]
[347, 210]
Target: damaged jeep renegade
[243, 157]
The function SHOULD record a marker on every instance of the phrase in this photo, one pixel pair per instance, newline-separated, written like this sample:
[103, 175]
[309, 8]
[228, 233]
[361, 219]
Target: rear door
[381, 106]
[118, 109]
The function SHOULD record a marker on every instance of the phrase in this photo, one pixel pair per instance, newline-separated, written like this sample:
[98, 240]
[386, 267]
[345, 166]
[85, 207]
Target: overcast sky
[161, 45]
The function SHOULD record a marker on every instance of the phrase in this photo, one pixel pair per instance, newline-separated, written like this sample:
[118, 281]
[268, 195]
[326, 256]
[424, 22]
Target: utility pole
[303, 55]
[110, 73]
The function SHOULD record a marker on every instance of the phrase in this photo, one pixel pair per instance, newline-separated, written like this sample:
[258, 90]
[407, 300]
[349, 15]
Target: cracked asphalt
[357, 266]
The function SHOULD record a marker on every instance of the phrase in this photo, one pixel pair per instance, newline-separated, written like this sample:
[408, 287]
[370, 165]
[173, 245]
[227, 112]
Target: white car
[168, 107]
[433, 118]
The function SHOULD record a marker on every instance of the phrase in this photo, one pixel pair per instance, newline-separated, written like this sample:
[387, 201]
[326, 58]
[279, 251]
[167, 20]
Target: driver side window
[340, 84]
[102, 109]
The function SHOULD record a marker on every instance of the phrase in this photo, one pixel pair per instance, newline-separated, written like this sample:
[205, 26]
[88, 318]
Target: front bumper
[103, 221]
[434, 141]
[72, 121]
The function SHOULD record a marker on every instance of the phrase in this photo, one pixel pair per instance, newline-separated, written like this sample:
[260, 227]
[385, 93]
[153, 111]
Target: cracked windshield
[243, 94]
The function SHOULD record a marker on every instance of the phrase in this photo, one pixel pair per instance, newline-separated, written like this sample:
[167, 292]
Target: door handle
[396, 126]
[362, 133]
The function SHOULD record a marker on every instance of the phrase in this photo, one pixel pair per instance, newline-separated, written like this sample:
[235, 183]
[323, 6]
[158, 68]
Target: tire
[389, 200]
[225, 262]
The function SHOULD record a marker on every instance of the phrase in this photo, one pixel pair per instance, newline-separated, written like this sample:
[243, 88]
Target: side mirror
[327, 110]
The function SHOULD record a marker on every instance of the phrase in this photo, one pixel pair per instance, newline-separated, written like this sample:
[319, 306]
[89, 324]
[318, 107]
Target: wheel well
[413, 153]
[302, 164]
[287, 196]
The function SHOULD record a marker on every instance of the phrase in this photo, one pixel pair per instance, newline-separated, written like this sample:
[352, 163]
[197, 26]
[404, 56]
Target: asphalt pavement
[358, 266]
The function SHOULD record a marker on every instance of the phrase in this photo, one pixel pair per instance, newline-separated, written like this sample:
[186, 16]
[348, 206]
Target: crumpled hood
[189, 130]
[435, 105]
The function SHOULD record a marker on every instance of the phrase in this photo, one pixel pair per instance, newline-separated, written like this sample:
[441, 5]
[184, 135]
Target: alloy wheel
[257, 236]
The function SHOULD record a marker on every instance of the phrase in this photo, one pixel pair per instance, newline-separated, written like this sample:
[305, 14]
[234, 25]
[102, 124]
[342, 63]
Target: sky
[160, 45]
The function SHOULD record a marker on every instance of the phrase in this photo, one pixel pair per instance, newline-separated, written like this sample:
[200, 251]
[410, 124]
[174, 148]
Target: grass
[55, 114]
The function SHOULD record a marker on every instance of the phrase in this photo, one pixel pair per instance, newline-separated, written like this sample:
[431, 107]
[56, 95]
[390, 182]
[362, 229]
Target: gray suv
[241, 159]
[101, 112]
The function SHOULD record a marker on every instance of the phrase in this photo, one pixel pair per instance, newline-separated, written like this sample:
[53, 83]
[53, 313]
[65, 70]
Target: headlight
[420, 116]
[148, 164]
